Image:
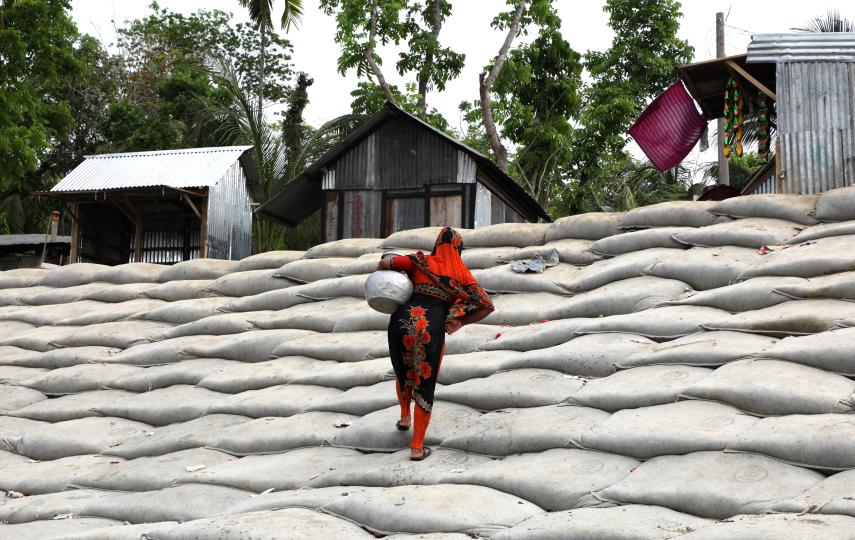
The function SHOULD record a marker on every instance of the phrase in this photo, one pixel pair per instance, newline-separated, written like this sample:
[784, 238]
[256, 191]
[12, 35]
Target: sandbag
[184, 372]
[776, 527]
[501, 279]
[831, 496]
[795, 208]
[375, 432]
[533, 336]
[21, 277]
[77, 437]
[13, 429]
[72, 406]
[183, 311]
[121, 293]
[336, 315]
[218, 325]
[462, 367]
[33, 477]
[593, 355]
[671, 429]
[661, 323]
[274, 434]
[276, 300]
[627, 522]
[532, 476]
[252, 346]
[269, 260]
[829, 351]
[361, 400]
[347, 247]
[706, 268]
[325, 289]
[43, 507]
[836, 205]
[22, 296]
[58, 528]
[794, 318]
[13, 397]
[617, 298]
[748, 295]
[72, 274]
[49, 315]
[421, 239]
[148, 473]
[711, 484]
[112, 312]
[365, 264]
[638, 387]
[535, 429]
[629, 265]
[165, 351]
[818, 441]
[670, 214]
[591, 226]
[817, 258]
[241, 377]
[520, 309]
[344, 375]
[173, 438]
[16, 356]
[50, 296]
[79, 378]
[482, 258]
[283, 400]
[774, 388]
[196, 269]
[58, 358]
[175, 291]
[749, 232]
[163, 406]
[702, 349]
[507, 234]
[570, 251]
[16, 374]
[310, 270]
[121, 334]
[349, 347]
[515, 388]
[660, 237]
[835, 286]
[248, 283]
[137, 272]
[823, 230]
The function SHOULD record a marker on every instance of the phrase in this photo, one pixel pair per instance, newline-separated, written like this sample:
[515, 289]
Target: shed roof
[707, 80]
[31, 239]
[294, 201]
[802, 47]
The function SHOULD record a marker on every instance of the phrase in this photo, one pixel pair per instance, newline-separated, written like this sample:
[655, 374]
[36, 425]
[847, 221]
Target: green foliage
[368, 98]
[832, 22]
[261, 13]
[740, 168]
[433, 64]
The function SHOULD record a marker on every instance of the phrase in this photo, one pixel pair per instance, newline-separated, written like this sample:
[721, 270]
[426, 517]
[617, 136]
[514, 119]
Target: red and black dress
[443, 288]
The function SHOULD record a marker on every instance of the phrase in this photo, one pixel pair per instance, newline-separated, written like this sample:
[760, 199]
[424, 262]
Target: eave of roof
[707, 80]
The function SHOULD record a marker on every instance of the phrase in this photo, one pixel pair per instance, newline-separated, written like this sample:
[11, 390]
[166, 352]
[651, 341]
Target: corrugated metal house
[161, 206]
[396, 172]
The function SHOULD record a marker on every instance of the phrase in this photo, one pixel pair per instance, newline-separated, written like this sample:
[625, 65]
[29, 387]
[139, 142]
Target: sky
[584, 26]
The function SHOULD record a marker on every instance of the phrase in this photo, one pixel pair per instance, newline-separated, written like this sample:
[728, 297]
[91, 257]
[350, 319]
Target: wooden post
[74, 210]
[723, 166]
[779, 175]
[203, 229]
[138, 233]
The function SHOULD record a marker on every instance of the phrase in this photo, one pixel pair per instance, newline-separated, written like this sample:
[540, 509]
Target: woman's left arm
[473, 316]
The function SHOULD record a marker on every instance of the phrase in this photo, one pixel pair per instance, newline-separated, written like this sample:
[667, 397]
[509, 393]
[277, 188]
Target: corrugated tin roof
[184, 168]
[32, 239]
[803, 47]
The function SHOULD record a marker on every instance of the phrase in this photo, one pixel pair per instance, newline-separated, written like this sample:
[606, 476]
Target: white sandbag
[163, 406]
[706, 268]
[196, 269]
[218, 325]
[593, 355]
[749, 232]
[77, 437]
[51, 296]
[422, 239]
[748, 295]
[515, 388]
[16, 374]
[174, 291]
[121, 293]
[659, 237]
[629, 265]
[711, 484]
[818, 258]
[795, 208]
[240, 376]
[632, 521]
[829, 351]
[773, 388]
[22, 296]
[702, 349]
[520, 309]
[43, 507]
[591, 226]
[617, 298]
[532, 476]
[137, 272]
[482, 258]
[120, 335]
[21, 277]
[385, 290]
[533, 336]
[365, 264]
[361, 400]
[507, 234]
[14, 397]
[834, 286]
[33, 477]
[165, 351]
[70, 407]
[184, 372]
[347, 247]
[57, 528]
[173, 438]
[818, 441]
[476, 510]
[274, 434]
[777, 527]
[325, 289]
[252, 346]
[112, 312]
[287, 470]
[501, 279]
[79, 378]
[277, 300]
[462, 367]
[836, 205]
[670, 214]
[148, 473]
[638, 387]
[831, 496]
[270, 260]
[248, 283]
[823, 230]
[12, 429]
[72, 274]
[16, 356]
[570, 251]
[341, 347]
[49, 315]
[282, 400]
[661, 323]
[793, 318]
[310, 270]
[183, 311]
[671, 429]
[535, 429]
[375, 432]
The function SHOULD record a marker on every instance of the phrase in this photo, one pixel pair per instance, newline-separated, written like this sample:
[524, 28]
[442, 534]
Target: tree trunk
[369, 57]
[488, 79]
[261, 74]
[424, 73]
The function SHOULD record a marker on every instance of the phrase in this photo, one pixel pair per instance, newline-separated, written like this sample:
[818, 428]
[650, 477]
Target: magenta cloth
[669, 127]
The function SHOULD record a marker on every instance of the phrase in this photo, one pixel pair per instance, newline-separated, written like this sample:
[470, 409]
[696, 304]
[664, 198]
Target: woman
[445, 298]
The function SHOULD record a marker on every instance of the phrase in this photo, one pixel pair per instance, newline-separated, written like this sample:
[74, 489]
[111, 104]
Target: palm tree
[832, 22]
[260, 12]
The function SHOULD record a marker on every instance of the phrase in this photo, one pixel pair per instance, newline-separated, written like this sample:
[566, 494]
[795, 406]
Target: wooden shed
[396, 172]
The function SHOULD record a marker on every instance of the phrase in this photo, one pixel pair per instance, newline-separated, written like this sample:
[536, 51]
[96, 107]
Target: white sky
[584, 25]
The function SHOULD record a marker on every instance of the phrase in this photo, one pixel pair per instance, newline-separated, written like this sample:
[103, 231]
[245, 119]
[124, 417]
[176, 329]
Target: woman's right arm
[384, 264]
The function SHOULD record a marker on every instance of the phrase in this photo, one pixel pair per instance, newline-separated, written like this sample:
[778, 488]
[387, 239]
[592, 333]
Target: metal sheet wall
[361, 213]
[410, 156]
[816, 123]
[229, 216]
[355, 169]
